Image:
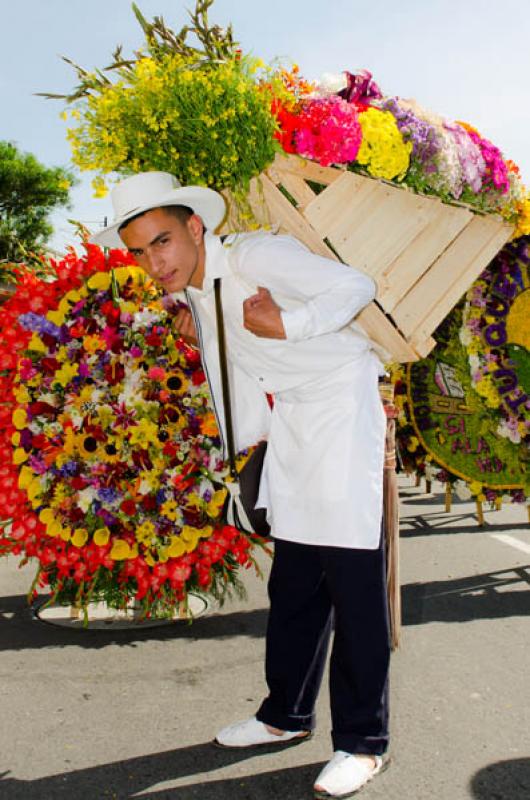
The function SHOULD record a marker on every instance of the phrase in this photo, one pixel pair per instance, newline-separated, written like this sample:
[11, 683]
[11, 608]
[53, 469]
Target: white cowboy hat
[148, 190]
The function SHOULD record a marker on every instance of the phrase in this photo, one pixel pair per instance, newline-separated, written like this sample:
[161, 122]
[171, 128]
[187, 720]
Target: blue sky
[465, 59]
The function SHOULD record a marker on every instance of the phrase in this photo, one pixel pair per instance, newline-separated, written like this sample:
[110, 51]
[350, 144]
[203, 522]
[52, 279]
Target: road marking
[512, 541]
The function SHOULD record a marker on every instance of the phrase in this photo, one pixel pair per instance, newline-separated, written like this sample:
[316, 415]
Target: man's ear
[196, 228]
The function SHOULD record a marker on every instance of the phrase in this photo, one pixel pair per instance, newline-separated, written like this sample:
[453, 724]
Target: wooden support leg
[418, 480]
[448, 497]
[480, 513]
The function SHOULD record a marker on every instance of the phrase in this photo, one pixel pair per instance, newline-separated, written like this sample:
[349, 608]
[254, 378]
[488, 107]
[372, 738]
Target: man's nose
[155, 263]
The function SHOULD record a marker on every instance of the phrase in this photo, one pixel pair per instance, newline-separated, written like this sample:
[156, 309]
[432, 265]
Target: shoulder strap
[224, 378]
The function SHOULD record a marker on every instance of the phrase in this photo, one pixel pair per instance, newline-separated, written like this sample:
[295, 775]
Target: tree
[29, 192]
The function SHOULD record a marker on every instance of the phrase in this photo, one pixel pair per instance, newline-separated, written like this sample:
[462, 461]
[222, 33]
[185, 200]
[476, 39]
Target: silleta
[504, 290]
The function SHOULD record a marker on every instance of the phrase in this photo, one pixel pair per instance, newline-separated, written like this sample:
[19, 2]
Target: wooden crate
[422, 253]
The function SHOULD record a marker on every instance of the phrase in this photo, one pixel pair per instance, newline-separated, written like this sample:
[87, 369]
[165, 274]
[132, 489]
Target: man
[290, 332]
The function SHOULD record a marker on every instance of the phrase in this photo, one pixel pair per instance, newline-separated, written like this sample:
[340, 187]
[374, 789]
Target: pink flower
[328, 131]
[156, 373]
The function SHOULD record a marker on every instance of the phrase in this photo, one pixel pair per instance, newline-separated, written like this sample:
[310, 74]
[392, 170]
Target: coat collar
[215, 265]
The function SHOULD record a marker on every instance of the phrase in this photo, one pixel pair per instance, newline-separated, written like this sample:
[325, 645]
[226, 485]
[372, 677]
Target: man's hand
[185, 326]
[262, 316]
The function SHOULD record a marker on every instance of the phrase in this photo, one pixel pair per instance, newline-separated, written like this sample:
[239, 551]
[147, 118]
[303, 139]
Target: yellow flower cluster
[209, 125]
[383, 151]
[487, 389]
[517, 323]
[523, 219]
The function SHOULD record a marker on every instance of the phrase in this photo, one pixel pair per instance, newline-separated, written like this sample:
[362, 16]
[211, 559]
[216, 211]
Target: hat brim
[207, 203]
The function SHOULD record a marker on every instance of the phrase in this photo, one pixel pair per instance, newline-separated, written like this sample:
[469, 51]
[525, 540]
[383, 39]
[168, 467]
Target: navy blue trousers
[313, 589]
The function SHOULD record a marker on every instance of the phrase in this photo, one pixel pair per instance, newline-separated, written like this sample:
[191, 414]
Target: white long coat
[323, 473]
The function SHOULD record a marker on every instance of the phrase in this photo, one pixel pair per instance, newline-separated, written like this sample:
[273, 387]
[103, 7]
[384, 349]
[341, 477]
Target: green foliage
[29, 192]
[199, 110]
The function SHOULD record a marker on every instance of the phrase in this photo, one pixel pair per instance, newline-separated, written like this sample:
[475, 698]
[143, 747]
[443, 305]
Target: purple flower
[37, 465]
[39, 324]
[107, 495]
[470, 156]
[422, 134]
[106, 516]
[70, 468]
[361, 88]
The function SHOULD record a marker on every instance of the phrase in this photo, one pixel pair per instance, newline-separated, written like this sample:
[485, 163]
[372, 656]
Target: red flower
[49, 364]
[114, 373]
[128, 507]
[198, 377]
[149, 502]
[153, 339]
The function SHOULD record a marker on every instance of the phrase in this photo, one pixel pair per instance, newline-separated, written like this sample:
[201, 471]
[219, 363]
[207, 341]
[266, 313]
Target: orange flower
[209, 425]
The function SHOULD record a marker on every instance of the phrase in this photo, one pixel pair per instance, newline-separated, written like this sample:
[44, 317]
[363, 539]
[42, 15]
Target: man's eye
[165, 240]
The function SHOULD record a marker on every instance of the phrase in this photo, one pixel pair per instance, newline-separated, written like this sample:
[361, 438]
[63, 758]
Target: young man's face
[169, 250]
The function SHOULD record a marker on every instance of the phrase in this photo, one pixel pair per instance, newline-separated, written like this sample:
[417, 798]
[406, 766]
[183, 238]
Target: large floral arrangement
[113, 476]
[216, 117]
[496, 335]
[465, 410]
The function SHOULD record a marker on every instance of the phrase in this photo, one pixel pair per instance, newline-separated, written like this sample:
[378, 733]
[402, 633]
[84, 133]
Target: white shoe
[345, 774]
[251, 732]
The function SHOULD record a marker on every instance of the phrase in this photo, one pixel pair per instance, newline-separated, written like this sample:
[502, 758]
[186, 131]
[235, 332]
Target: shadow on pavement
[138, 777]
[442, 523]
[20, 629]
[505, 780]
[486, 596]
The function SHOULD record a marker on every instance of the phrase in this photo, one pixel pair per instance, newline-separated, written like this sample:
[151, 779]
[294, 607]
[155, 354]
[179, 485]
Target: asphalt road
[130, 714]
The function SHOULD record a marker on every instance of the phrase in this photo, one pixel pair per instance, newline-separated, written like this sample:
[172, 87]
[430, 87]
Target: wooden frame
[422, 253]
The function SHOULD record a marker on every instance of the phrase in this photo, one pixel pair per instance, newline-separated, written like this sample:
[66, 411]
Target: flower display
[213, 116]
[464, 412]
[210, 126]
[496, 334]
[116, 480]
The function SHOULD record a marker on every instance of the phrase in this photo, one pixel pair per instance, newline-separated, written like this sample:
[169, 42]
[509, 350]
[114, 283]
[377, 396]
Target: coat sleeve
[330, 294]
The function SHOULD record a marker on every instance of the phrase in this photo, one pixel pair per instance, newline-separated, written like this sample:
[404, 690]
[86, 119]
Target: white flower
[142, 319]
[506, 430]
[430, 472]
[48, 397]
[333, 82]
[85, 498]
[465, 336]
[145, 487]
[474, 362]
[131, 388]
[462, 490]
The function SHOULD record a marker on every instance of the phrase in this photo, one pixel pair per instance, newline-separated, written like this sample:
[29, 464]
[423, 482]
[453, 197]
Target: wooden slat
[258, 203]
[432, 298]
[401, 275]
[369, 223]
[308, 170]
[425, 346]
[379, 328]
[290, 220]
[296, 186]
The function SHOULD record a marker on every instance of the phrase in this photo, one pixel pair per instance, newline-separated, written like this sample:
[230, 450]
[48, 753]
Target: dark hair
[182, 213]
